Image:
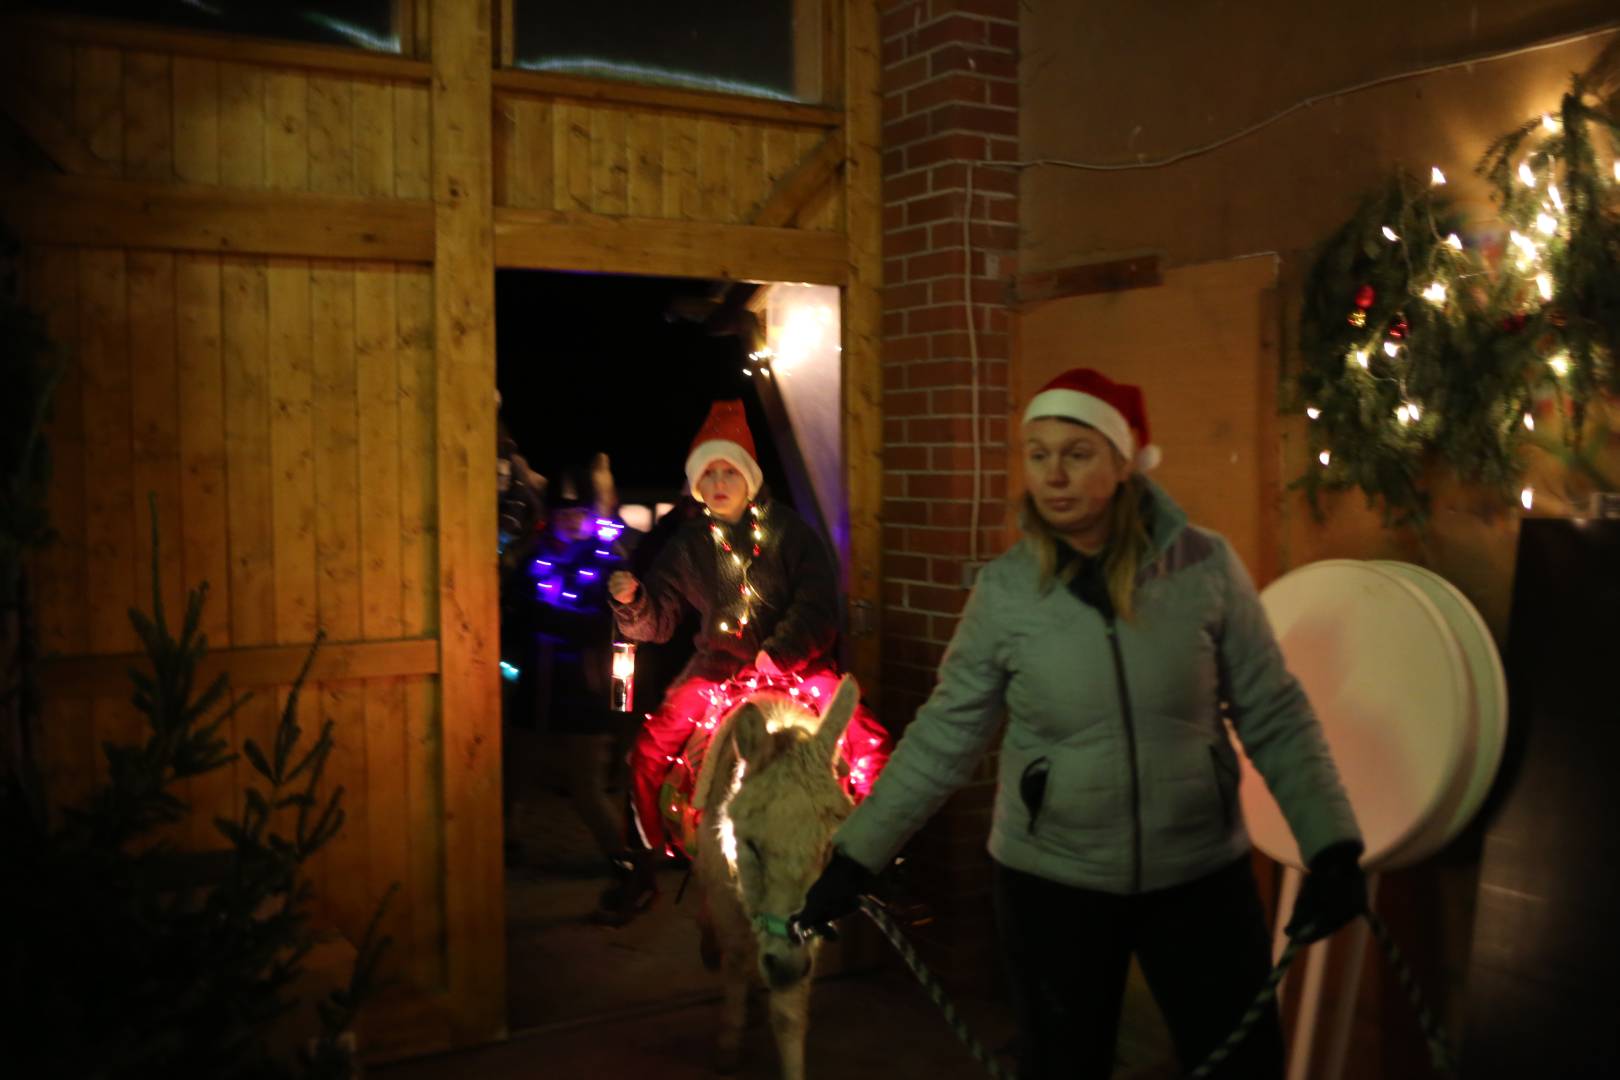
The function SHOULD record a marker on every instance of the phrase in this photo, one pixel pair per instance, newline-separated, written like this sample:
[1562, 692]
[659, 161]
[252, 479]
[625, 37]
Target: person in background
[569, 572]
[1119, 641]
[762, 585]
[520, 522]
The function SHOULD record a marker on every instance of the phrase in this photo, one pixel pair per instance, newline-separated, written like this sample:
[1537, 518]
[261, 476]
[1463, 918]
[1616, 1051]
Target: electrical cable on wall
[1171, 159]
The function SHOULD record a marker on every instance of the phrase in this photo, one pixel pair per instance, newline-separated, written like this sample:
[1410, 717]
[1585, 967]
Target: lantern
[621, 693]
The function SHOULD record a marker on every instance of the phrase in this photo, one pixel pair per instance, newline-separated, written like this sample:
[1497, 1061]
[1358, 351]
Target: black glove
[1334, 892]
[836, 893]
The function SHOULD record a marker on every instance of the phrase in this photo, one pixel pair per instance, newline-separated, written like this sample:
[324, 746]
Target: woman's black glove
[1334, 892]
[836, 893]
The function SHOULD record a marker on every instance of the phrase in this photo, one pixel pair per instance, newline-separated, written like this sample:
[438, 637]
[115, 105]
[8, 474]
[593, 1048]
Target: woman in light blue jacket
[1119, 641]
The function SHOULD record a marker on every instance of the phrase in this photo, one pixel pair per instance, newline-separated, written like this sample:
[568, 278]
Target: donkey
[771, 800]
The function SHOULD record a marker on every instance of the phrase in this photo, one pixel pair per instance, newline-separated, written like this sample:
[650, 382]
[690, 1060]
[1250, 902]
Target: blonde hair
[1123, 554]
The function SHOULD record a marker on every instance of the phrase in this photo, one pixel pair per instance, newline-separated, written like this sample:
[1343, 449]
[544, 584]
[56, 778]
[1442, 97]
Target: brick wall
[950, 97]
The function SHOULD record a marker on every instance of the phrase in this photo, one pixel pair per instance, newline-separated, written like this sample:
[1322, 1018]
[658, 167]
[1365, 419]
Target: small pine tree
[120, 958]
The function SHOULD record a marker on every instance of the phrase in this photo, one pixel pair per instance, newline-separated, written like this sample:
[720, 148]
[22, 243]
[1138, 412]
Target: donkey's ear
[836, 718]
[749, 730]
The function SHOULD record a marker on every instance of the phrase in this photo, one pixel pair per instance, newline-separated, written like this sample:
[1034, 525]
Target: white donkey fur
[781, 812]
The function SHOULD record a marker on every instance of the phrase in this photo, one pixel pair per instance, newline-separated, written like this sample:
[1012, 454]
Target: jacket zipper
[1130, 747]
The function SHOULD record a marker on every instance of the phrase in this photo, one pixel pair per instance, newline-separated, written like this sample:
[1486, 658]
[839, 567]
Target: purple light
[570, 596]
[587, 573]
[604, 554]
[607, 534]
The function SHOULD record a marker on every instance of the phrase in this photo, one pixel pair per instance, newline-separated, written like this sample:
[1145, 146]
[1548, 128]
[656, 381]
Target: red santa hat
[1115, 409]
[724, 436]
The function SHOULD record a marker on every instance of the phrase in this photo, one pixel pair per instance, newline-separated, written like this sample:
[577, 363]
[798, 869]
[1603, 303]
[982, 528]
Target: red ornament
[1399, 327]
[1514, 323]
[1365, 297]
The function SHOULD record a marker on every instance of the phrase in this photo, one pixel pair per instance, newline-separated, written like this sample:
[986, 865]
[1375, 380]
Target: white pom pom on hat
[724, 436]
[1117, 410]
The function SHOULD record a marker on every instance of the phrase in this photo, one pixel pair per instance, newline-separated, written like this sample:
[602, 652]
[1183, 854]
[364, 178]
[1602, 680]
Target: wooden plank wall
[282, 411]
[311, 425]
[558, 154]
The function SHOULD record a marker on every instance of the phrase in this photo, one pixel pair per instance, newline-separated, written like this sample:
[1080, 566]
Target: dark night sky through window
[589, 362]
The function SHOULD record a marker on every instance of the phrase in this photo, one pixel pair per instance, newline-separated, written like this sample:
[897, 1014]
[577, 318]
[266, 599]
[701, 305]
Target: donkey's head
[777, 825]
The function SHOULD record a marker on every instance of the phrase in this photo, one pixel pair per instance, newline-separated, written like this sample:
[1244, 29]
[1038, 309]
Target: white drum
[1407, 682]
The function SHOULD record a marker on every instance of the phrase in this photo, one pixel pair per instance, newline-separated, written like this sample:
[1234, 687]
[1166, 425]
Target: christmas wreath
[1420, 350]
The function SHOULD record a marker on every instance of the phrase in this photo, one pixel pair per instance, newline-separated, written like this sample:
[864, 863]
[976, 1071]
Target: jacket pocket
[1226, 782]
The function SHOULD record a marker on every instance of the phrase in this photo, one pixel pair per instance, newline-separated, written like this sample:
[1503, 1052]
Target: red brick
[894, 594]
[955, 401]
[929, 541]
[892, 52]
[897, 566]
[1004, 94]
[957, 29]
[948, 290]
[898, 511]
[905, 74]
[935, 264]
[905, 242]
[1004, 36]
[894, 322]
[938, 486]
[899, 297]
[938, 373]
[986, 63]
[945, 625]
[943, 207]
[902, 17]
[894, 216]
[936, 598]
[932, 429]
[905, 186]
[905, 458]
[894, 486]
[952, 458]
[905, 350]
[894, 430]
[908, 129]
[894, 161]
[928, 320]
[984, 235]
[894, 377]
[952, 88]
[905, 403]
[953, 175]
[894, 269]
[995, 9]
[957, 146]
[894, 107]
[1003, 149]
[912, 624]
[976, 118]
[944, 572]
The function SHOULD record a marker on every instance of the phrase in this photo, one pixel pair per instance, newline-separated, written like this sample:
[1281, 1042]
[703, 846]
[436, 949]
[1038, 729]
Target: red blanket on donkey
[701, 705]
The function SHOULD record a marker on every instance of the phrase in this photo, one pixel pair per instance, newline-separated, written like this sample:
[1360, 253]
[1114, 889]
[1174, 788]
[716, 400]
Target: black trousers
[1203, 947]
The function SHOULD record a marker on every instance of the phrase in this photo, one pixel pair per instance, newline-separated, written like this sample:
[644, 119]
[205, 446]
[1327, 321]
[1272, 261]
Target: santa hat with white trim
[724, 436]
[1115, 409]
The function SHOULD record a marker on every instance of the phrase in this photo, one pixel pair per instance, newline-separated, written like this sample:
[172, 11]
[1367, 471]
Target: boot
[634, 888]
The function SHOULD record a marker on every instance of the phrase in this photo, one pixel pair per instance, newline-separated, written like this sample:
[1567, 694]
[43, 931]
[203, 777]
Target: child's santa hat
[1115, 409]
[724, 436]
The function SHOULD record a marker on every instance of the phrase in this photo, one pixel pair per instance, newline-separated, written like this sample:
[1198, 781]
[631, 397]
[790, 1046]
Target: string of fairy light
[1551, 195]
[736, 625]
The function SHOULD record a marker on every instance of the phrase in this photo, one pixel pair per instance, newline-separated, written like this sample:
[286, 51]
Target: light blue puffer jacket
[1142, 781]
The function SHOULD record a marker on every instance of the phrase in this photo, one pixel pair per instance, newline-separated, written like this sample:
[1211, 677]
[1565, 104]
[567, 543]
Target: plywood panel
[98, 106]
[373, 138]
[749, 185]
[715, 170]
[155, 452]
[681, 188]
[1206, 415]
[644, 138]
[148, 117]
[292, 449]
[571, 125]
[70, 757]
[610, 170]
[204, 539]
[241, 126]
[286, 130]
[412, 165]
[196, 120]
[331, 135]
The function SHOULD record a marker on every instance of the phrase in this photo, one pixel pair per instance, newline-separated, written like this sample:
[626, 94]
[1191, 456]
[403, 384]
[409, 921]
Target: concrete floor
[590, 1001]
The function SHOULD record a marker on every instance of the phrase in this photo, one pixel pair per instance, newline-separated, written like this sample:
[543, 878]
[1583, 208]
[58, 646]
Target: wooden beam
[464, 362]
[567, 240]
[663, 98]
[237, 48]
[45, 129]
[781, 205]
[108, 213]
[1137, 272]
[66, 677]
[862, 95]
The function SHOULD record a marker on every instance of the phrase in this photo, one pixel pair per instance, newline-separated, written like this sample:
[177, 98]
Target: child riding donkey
[763, 585]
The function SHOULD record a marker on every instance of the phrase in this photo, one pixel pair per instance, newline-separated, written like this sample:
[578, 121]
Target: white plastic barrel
[1408, 685]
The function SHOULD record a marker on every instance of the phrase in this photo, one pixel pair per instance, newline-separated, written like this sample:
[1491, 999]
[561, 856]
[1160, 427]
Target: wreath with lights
[1420, 351]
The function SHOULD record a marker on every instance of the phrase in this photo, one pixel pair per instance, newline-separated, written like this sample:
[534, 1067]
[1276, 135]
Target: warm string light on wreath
[737, 624]
[1430, 321]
